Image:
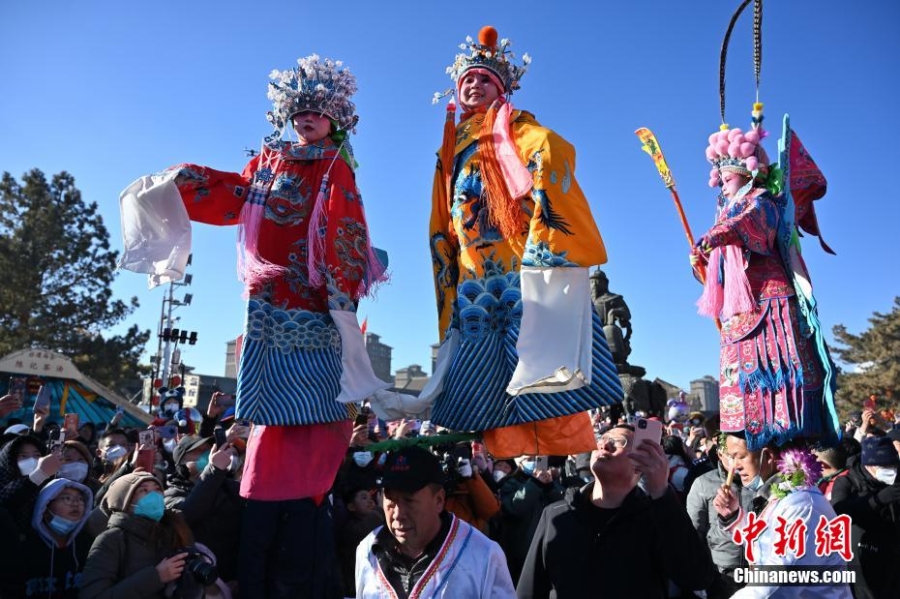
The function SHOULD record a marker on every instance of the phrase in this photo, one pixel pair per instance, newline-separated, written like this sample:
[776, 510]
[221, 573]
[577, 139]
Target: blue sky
[109, 91]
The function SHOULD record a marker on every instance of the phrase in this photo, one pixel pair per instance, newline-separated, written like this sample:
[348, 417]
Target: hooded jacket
[36, 566]
[18, 493]
[123, 559]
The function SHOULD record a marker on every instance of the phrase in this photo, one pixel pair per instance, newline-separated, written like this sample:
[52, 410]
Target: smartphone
[647, 429]
[146, 458]
[226, 401]
[541, 463]
[17, 387]
[55, 439]
[146, 438]
[219, 434]
[43, 398]
[70, 424]
[361, 418]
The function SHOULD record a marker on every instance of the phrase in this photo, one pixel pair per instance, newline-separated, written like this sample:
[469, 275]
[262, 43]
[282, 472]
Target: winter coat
[474, 502]
[522, 500]
[354, 530]
[726, 554]
[213, 509]
[643, 543]
[18, 493]
[32, 564]
[122, 561]
[874, 509]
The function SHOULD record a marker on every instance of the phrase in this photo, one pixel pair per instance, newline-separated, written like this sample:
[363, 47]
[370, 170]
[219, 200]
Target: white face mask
[28, 465]
[499, 475]
[169, 445]
[76, 471]
[362, 458]
[114, 452]
[885, 475]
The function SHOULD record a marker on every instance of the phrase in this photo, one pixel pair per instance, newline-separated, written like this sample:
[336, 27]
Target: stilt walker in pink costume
[776, 378]
[305, 257]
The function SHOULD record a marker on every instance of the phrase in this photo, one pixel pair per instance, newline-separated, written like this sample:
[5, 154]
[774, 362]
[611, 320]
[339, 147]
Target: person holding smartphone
[25, 465]
[203, 490]
[588, 541]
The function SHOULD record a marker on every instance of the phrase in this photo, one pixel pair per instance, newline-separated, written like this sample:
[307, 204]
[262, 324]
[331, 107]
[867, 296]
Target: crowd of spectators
[106, 511]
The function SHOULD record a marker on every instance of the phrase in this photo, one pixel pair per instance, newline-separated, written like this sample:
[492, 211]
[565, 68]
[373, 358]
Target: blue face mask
[203, 462]
[755, 484]
[528, 467]
[62, 526]
[152, 506]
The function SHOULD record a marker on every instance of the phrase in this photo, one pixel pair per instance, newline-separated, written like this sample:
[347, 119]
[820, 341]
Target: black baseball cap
[411, 469]
[187, 444]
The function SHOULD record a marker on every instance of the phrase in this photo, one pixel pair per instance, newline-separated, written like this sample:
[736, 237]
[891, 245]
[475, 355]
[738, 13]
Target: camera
[642, 423]
[203, 572]
[450, 456]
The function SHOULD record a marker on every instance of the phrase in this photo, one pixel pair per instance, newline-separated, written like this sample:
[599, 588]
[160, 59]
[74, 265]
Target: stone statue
[614, 314]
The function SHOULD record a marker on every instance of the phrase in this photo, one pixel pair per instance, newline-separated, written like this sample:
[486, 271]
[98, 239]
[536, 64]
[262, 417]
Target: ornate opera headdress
[313, 85]
[732, 149]
[505, 178]
[487, 54]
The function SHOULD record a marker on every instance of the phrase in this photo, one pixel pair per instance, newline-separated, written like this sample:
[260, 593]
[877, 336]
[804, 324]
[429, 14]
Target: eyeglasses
[70, 499]
[619, 442]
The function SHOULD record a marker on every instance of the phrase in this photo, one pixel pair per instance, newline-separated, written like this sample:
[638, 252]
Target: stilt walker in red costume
[305, 257]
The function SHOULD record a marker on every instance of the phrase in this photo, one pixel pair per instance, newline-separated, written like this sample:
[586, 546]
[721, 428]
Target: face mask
[170, 408]
[28, 465]
[499, 475]
[169, 445]
[885, 475]
[76, 471]
[755, 484]
[114, 453]
[62, 526]
[152, 506]
[202, 462]
[527, 467]
[362, 458]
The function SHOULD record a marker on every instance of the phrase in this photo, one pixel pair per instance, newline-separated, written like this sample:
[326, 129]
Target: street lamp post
[170, 337]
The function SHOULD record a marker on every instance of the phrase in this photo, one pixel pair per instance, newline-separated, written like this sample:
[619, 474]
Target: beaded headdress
[313, 85]
[488, 54]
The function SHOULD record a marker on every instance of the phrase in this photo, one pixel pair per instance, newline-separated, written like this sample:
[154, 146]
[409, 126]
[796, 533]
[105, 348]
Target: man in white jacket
[423, 550]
